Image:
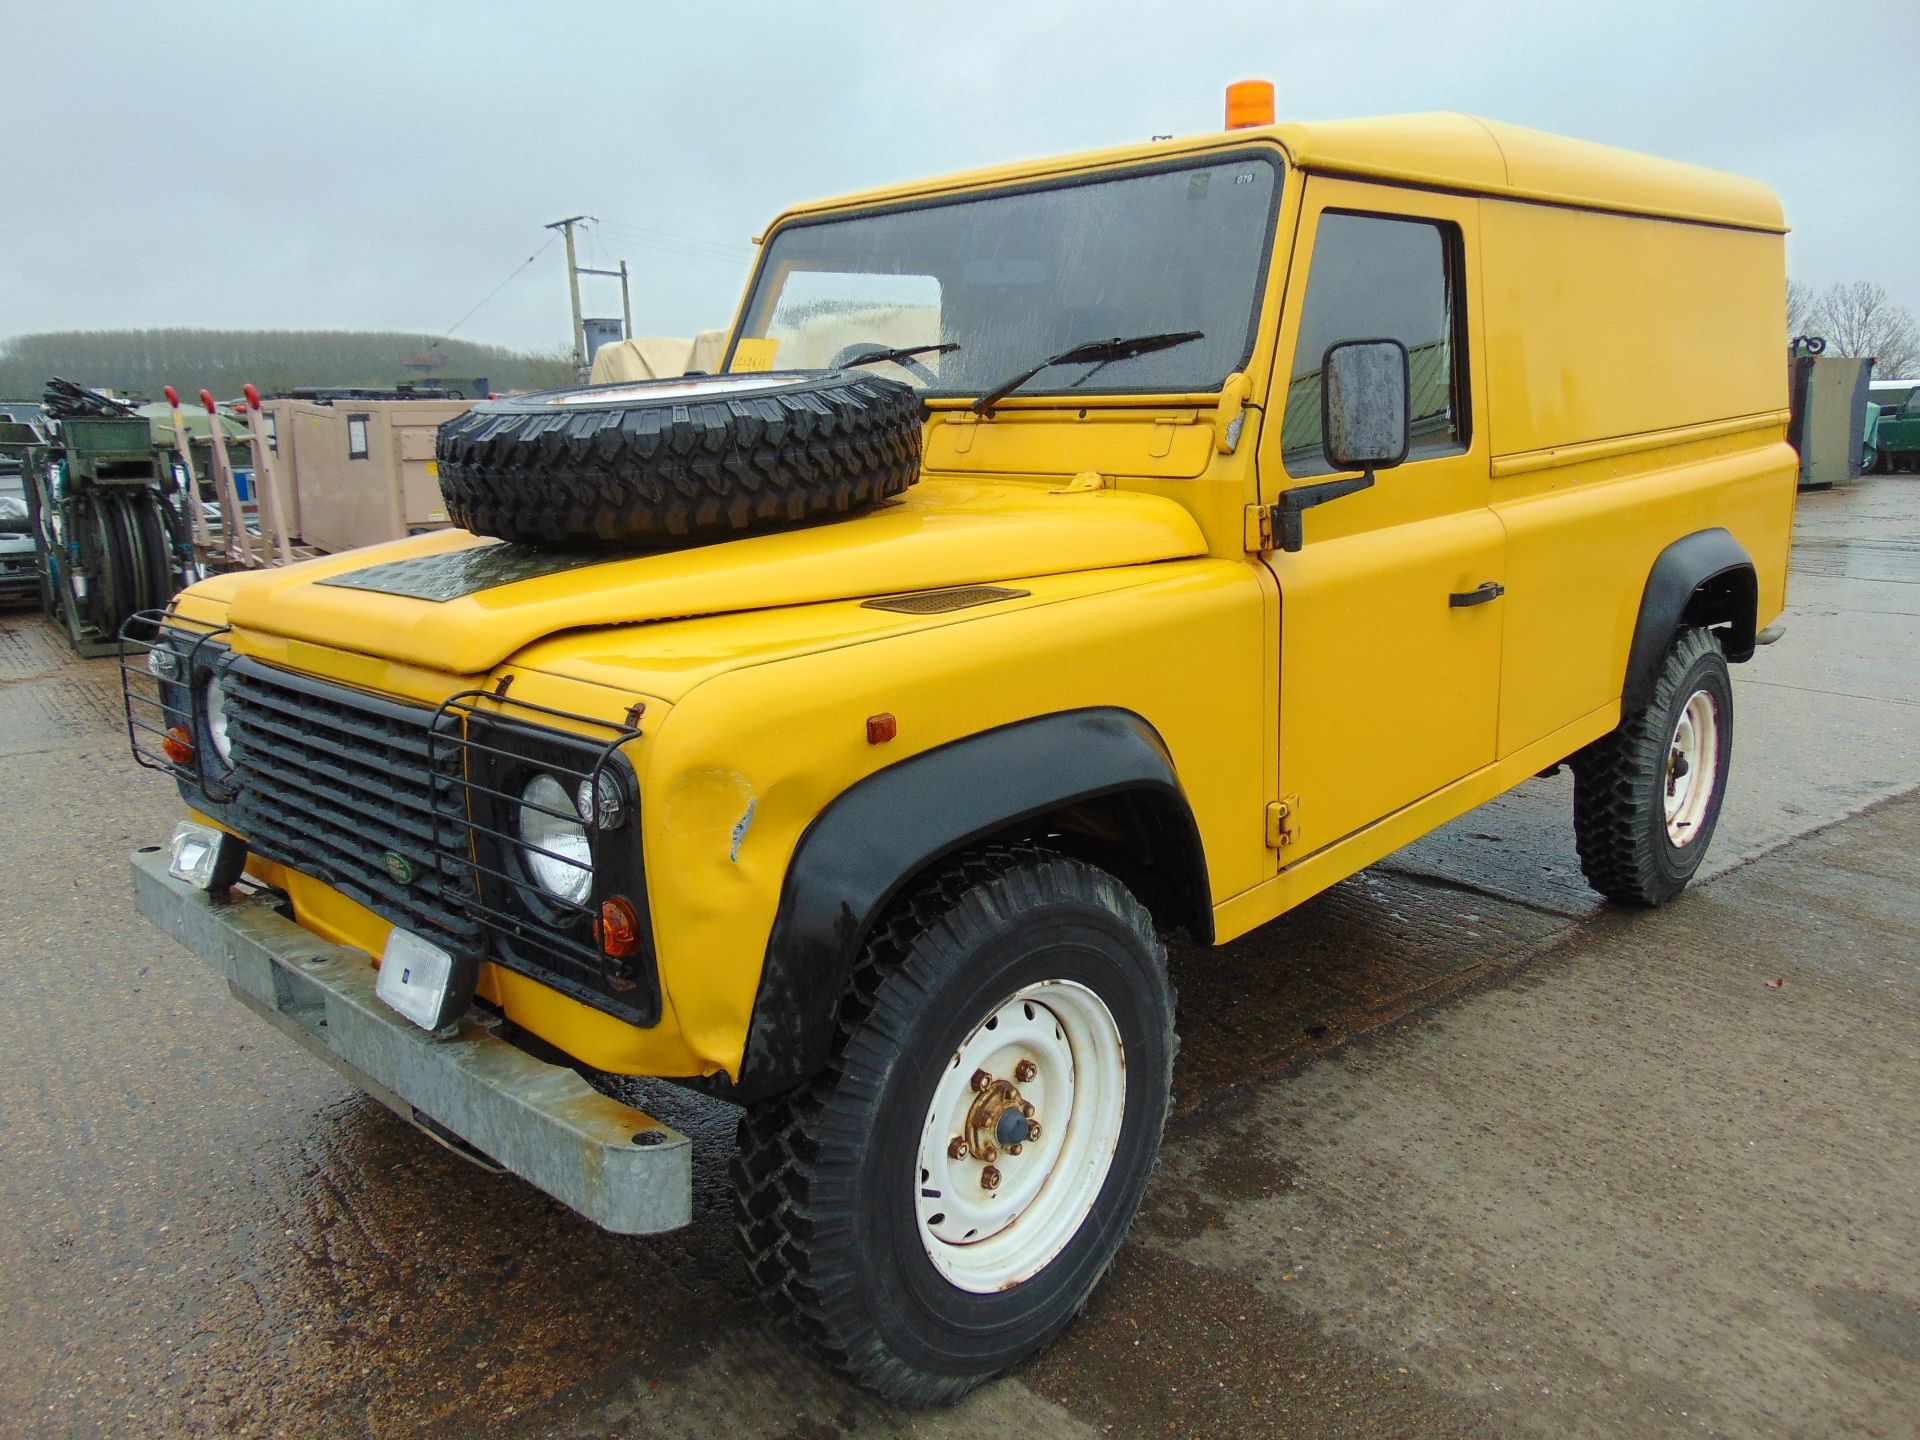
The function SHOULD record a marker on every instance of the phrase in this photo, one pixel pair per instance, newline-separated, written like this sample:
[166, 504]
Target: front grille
[410, 811]
[333, 783]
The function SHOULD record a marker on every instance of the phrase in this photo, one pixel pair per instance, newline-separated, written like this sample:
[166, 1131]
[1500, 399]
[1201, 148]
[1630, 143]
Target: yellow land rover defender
[1067, 553]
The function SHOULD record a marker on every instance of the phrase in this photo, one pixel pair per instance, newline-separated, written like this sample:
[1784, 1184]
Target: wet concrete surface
[1457, 1151]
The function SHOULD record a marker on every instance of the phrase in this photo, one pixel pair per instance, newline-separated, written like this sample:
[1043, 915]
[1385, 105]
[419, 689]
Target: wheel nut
[1033, 1129]
[981, 1079]
[1025, 1071]
[1026, 1108]
[957, 1148]
[1013, 1149]
[989, 1179]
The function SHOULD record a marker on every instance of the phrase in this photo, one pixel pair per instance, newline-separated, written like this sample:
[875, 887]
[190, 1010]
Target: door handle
[1486, 590]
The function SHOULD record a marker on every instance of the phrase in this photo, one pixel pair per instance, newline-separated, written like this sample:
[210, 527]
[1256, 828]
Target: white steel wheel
[1693, 767]
[1020, 1135]
[1012, 987]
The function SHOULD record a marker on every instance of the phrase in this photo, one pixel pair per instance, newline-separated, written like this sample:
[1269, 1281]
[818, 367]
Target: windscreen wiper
[905, 352]
[1091, 352]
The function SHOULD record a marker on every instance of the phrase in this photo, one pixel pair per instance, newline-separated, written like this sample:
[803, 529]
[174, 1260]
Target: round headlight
[554, 848]
[213, 707]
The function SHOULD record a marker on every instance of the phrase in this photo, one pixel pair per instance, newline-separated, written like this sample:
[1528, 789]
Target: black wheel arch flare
[882, 832]
[1706, 578]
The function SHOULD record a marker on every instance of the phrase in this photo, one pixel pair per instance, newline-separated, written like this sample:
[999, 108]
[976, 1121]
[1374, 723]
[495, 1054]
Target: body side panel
[1637, 396]
[1578, 558]
[1600, 326]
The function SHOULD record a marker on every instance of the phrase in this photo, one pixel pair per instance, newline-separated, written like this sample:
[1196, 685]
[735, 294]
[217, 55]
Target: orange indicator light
[881, 728]
[178, 745]
[619, 928]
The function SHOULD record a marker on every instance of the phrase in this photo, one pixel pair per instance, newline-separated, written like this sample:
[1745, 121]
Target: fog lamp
[428, 985]
[205, 858]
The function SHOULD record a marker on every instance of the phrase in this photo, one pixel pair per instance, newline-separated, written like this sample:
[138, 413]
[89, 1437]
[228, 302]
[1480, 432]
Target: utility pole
[626, 300]
[573, 289]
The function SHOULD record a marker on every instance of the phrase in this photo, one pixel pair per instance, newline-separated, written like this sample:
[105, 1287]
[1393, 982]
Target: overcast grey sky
[384, 165]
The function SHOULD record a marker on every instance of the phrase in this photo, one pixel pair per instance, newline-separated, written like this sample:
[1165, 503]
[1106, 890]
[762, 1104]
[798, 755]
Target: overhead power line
[511, 275]
[673, 243]
[658, 233]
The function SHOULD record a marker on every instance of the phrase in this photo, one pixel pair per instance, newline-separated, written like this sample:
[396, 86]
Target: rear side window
[1377, 278]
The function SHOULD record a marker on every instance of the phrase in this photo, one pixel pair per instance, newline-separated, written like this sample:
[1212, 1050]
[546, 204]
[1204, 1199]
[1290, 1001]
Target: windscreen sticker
[458, 573]
[753, 354]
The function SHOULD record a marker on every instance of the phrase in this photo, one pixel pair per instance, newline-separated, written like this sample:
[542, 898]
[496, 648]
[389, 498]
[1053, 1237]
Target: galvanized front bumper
[623, 1170]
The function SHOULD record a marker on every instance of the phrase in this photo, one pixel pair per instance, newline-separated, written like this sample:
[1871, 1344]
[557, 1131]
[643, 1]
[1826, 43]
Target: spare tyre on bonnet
[665, 463]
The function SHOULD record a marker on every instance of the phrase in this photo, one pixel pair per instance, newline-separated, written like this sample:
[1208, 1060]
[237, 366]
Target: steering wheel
[859, 348]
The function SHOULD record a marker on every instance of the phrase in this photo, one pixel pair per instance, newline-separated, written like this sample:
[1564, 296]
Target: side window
[1375, 278]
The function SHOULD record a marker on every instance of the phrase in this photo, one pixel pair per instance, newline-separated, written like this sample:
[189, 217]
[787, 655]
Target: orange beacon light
[1249, 102]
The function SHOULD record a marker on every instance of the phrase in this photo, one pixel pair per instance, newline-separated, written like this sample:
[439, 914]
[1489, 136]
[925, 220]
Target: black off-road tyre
[1620, 783]
[827, 1178]
[670, 463]
[146, 522]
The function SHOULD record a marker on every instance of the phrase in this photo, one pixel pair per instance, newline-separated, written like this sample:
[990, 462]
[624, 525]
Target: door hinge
[1283, 821]
[1259, 527]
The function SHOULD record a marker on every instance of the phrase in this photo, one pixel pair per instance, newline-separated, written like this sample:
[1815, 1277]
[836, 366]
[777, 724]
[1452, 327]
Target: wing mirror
[1363, 404]
[1364, 424]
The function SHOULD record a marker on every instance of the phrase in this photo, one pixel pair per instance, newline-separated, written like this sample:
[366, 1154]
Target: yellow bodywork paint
[1321, 707]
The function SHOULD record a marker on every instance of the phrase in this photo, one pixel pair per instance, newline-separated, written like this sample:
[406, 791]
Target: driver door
[1390, 613]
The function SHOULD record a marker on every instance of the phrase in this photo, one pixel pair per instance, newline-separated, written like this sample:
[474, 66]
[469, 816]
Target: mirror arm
[1287, 528]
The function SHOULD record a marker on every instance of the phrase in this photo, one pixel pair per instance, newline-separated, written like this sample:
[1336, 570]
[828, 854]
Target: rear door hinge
[1283, 818]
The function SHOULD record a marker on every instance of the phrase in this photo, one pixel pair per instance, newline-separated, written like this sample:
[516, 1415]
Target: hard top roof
[1446, 150]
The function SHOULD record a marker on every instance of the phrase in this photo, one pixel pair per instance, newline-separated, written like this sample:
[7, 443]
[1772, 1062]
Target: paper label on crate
[753, 355]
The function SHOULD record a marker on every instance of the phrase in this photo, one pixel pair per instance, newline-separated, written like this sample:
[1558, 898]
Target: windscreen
[1012, 277]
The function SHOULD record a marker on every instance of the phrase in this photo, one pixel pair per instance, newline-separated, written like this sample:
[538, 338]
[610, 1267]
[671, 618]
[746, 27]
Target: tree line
[141, 363]
[1857, 318]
